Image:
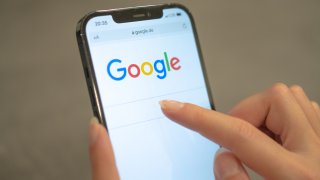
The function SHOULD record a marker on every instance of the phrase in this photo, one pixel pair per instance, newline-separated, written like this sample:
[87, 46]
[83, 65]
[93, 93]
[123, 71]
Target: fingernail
[227, 167]
[93, 130]
[170, 105]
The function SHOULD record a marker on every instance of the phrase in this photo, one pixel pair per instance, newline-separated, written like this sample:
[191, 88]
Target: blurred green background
[247, 45]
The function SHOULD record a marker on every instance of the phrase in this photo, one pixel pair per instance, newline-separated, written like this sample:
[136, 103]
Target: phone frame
[124, 15]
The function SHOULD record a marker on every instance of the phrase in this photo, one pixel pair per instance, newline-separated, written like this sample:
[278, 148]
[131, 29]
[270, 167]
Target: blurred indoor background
[247, 45]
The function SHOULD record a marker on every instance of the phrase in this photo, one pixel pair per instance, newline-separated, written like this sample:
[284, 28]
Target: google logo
[160, 66]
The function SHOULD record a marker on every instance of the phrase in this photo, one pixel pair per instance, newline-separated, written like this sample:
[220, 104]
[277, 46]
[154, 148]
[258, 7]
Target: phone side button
[95, 112]
[86, 72]
[92, 97]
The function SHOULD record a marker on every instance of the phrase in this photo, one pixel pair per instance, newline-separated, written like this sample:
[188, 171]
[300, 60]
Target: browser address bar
[138, 32]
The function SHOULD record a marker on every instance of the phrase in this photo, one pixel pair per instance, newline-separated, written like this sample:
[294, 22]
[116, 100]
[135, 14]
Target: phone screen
[137, 64]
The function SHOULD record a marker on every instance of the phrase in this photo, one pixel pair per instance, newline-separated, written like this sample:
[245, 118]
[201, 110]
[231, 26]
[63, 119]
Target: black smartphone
[132, 59]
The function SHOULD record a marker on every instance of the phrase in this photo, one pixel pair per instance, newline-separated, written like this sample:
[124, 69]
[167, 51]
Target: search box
[148, 109]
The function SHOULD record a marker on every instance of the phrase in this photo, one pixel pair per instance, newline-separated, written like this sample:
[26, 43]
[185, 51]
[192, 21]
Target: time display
[101, 23]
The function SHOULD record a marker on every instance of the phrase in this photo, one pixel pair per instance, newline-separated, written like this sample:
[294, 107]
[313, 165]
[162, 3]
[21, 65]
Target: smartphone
[132, 59]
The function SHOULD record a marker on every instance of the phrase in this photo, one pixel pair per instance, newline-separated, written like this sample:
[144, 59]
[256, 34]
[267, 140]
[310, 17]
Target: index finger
[247, 142]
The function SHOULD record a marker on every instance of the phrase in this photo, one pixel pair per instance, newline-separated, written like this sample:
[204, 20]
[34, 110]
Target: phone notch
[138, 14]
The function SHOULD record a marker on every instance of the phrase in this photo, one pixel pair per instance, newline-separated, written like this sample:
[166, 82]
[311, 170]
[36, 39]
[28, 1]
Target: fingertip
[174, 110]
[228, 166]
[220, 150]
[98, 136]
[93, 131]
[94, 120]
[185, 114]
[101, 153]
[162, 104]
[170, 106]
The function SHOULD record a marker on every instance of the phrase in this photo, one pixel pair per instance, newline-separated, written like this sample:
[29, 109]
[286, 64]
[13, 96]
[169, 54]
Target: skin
[276, 133]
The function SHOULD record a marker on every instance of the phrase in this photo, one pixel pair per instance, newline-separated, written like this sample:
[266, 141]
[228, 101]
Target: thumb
[103, 163]
[228, 167]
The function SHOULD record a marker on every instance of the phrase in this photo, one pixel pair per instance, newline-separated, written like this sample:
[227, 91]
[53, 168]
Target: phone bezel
[90, 76]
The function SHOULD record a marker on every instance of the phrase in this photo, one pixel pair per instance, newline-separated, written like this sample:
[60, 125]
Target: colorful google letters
[160, 66]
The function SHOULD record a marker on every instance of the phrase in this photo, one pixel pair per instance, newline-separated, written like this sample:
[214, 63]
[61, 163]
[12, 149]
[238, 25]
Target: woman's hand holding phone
[276, 133]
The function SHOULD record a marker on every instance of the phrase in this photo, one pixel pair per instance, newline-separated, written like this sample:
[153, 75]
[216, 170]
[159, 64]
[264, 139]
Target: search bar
[138, 32]
[146, 110]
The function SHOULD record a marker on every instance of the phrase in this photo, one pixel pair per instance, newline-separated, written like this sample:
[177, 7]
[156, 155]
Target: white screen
[147, 145]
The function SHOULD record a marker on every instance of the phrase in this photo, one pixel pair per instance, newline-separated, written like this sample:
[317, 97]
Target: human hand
[103, 164]
[276, 133]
